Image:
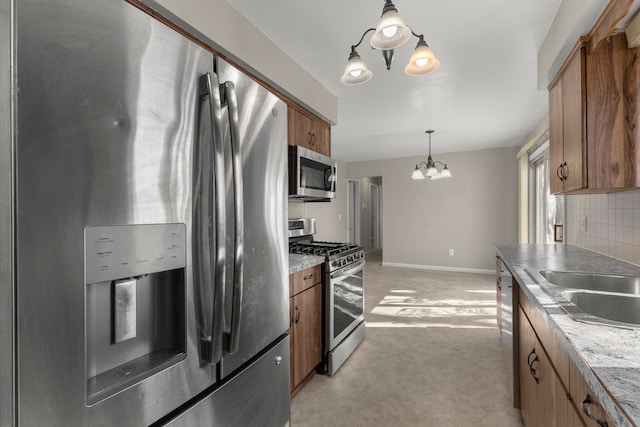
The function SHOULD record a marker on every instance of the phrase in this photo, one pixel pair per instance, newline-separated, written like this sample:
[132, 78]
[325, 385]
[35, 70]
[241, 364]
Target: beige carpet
[431, 357]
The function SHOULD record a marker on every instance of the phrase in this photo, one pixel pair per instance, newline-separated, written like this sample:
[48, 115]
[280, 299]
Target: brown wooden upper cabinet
[594, 115]
[309, 132]
[567, 118]
[613, 108]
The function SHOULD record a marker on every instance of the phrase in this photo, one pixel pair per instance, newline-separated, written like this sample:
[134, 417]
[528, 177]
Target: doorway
[353, 211]
[374, 191]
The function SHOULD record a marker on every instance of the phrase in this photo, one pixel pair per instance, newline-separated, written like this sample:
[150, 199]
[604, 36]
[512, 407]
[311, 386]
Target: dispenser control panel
[121, 251]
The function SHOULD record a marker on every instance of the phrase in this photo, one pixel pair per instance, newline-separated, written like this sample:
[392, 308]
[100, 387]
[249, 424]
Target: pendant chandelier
[431, 167]
[390, 33]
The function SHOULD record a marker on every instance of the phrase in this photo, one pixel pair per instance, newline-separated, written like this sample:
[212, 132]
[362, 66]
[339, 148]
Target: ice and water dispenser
[135, 313]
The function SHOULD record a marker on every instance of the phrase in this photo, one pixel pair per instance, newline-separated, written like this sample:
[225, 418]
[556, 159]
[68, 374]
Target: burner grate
[326, 249]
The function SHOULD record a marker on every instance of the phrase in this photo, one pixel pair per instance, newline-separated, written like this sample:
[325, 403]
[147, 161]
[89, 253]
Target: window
[545, 210]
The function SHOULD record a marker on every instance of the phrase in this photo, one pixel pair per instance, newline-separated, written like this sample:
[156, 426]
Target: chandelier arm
[438, 161]
[362, 38]
[413, 32]
[422, 164]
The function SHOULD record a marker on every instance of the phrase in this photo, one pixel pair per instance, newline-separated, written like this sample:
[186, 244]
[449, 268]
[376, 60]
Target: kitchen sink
[610, 306]
[594, 282]
[594, 298]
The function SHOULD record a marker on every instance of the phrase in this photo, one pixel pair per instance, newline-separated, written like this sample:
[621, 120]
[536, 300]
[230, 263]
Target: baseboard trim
[439, 268]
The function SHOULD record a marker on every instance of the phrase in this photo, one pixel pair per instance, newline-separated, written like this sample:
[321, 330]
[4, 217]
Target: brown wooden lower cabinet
[543, 397]
[305, 310]
[584, 398]
[552, 389]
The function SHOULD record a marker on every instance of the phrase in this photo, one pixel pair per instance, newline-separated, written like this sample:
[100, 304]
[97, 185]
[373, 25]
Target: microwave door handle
[210, 88]
[334, 178]
[330, 176]
[233, 339]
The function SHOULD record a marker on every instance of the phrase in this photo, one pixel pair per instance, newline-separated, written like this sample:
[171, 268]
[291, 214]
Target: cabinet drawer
[304, 279]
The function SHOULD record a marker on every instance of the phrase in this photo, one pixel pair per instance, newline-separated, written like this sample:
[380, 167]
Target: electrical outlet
[450, 252]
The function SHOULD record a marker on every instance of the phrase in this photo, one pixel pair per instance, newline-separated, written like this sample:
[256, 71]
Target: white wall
[422, 220]
[227, 31]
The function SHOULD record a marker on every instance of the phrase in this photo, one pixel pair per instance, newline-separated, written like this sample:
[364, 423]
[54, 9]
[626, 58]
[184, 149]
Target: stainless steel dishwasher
[509, 300]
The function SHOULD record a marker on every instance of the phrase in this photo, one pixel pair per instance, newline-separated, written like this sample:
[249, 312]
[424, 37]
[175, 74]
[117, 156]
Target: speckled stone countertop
[607, 356]
[300, 262]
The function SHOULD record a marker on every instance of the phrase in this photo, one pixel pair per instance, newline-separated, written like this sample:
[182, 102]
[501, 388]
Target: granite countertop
[607, 356]
[299, 262]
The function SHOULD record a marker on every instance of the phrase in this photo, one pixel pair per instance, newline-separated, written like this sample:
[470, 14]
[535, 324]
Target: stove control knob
[334, 264]
[350, 258]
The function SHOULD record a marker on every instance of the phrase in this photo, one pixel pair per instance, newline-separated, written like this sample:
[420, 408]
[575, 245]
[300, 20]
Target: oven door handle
[348, 271]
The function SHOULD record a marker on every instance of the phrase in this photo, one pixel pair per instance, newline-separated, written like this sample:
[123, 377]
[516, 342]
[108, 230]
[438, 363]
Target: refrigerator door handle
[233, 339]
[212, 345]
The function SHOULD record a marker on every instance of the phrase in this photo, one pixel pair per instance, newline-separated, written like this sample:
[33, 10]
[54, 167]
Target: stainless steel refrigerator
[143, 260]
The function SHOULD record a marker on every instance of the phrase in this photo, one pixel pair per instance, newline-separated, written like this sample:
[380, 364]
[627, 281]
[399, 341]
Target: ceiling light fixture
[390, 33]
[432, 171]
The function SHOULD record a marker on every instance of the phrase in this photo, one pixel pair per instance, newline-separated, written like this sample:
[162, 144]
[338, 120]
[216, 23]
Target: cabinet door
[543, 397]
[292, 341]
[322, 135]
[529, 404]
[307, 332]
[579, 392]
[555, 137]
[613, 109]
[300, 129]
[573, 122]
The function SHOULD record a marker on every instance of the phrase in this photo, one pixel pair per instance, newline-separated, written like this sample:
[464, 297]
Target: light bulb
[356, 73]
[422, 62]
[390, 31]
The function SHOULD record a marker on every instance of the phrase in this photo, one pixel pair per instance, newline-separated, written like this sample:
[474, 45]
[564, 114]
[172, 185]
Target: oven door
[345, 297]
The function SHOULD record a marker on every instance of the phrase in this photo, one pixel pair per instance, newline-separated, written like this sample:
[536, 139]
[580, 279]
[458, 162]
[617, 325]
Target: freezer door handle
[233, 336]
[207, 233]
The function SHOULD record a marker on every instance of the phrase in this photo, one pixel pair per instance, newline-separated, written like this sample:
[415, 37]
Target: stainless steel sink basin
[616, 307]
[594, 282]
[594, 298]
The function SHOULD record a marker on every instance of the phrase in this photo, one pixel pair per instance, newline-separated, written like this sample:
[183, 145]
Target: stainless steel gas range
[343, 294]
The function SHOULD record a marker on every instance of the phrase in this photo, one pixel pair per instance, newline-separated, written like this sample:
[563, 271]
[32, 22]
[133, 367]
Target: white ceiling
[484, 95]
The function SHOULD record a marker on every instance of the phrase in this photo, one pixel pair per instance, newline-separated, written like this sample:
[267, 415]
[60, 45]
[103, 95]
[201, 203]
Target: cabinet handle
[558, 173]
[297, 315]
[530, 362]
[587, 401]
[310, 276]
[312, 139]
[564, 167]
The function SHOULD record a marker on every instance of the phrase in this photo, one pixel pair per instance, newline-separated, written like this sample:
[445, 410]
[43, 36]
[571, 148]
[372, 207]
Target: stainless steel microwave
[312, 176]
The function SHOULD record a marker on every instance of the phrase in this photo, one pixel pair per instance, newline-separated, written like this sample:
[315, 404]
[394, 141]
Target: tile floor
[432, 357]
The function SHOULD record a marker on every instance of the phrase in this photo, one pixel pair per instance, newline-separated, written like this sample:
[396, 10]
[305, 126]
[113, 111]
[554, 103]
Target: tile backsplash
[612, 224]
